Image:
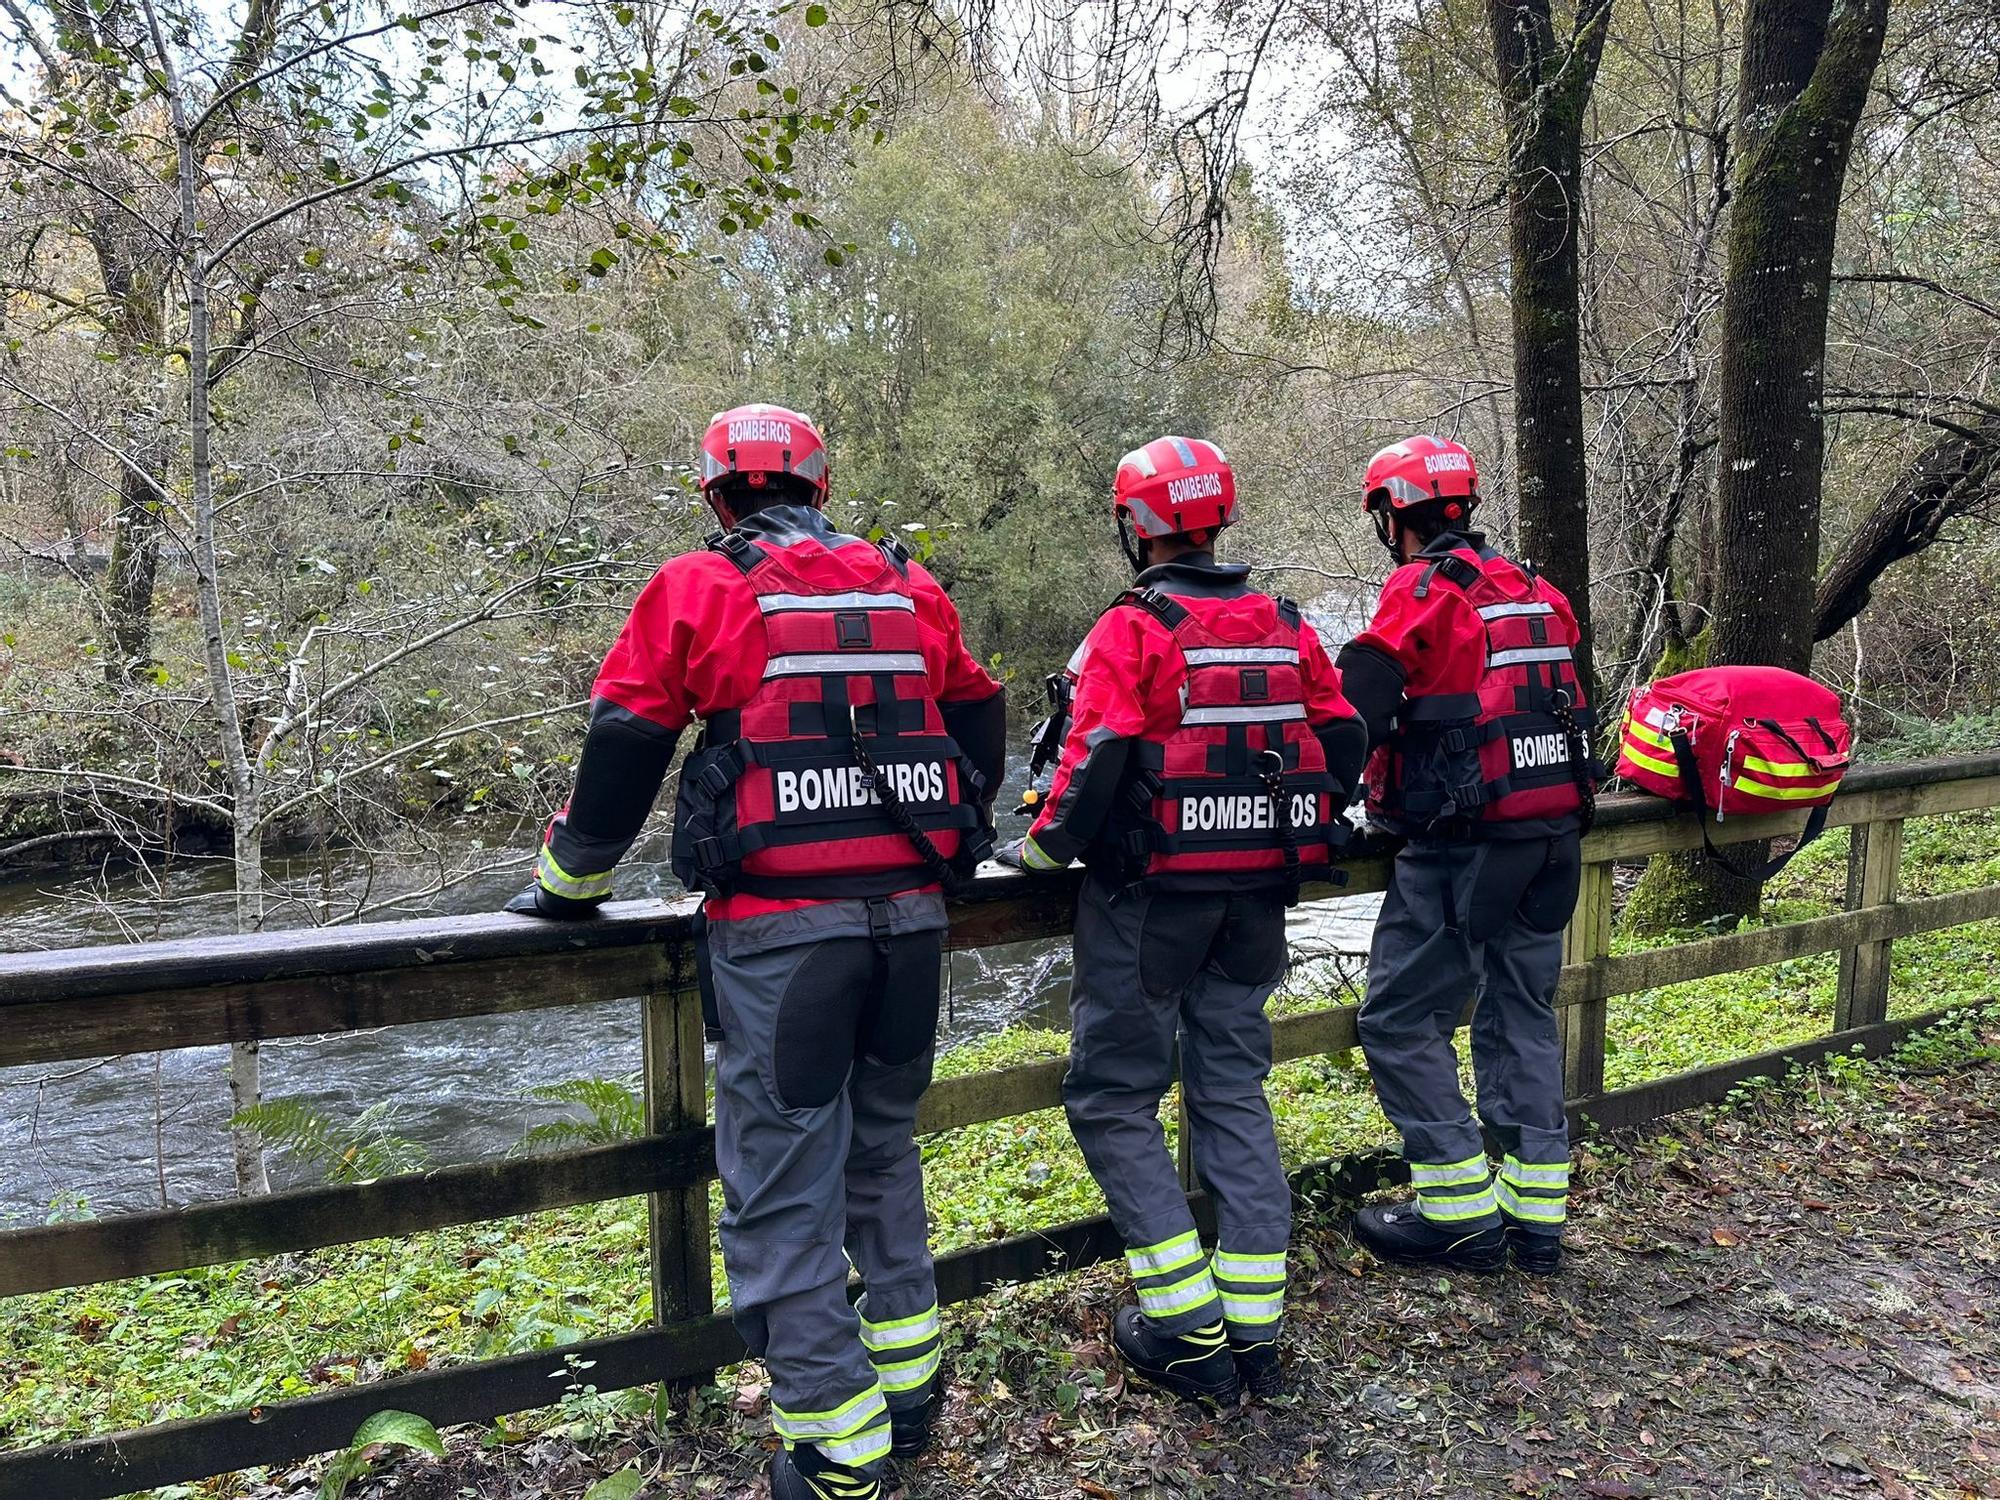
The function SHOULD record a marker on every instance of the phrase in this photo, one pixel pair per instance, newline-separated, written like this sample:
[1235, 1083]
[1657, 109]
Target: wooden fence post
[1587, 937]
[676, 1084]
[1874, 865]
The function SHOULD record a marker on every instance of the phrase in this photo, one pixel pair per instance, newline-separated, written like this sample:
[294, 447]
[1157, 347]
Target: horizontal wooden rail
[80, 1003]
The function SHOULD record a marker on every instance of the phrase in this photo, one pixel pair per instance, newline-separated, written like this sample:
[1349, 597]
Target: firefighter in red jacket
[1207, 764]
[838, 785]
[1476, 726]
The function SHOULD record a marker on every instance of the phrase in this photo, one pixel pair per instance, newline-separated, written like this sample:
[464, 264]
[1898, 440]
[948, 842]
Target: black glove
[536, 902]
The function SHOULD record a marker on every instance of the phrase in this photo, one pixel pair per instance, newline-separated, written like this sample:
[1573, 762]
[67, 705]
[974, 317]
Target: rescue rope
[900, 815]
[1274, 783]
[1579, 756]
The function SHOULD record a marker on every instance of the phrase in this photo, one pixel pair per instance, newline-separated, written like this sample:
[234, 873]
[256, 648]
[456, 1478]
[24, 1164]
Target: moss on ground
[148, 1350]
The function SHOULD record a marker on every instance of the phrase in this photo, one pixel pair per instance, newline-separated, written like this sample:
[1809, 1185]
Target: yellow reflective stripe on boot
[1454, 1207]
[1183, 1296]
[1549, 1174]
[1531, 1208]
[559, 882]
[1239, 1307]
[845, 1420]
[911, 1374]
[1471, 1171]
[901, 1333]
[1253, 1268]
[1168, 1255]
[858, 1452]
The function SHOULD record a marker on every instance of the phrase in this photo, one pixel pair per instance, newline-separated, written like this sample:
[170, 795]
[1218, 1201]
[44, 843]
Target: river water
[130, 1133]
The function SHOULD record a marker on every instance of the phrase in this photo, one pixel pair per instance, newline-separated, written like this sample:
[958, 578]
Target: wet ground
[1796, 1294]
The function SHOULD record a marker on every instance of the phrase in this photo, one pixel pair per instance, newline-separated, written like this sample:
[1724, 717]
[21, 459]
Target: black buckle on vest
[1454, 740]
[878, 919]
[738, 548]
[851, 630]
[1254, 683]
[711, 855]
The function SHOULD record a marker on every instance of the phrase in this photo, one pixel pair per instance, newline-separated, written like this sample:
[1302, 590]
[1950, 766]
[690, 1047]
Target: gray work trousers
[1153, 967]
[825, 1049]
[1459, 920]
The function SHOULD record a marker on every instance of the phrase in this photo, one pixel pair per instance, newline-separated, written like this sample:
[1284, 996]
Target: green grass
[156, 1348]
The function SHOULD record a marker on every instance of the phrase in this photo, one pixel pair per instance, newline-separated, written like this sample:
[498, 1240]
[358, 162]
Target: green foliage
[620, 1486]
[358, 1150]
[614, 1112]
[385, 1429]
[1914, 738]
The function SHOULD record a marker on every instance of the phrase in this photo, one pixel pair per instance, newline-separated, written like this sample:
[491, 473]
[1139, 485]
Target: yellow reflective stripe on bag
[1783, 793]
[1781, 768]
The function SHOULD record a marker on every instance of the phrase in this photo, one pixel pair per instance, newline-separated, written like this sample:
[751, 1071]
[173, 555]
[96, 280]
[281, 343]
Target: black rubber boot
[1257, 1366]
[1400, 1232]
[1197, 1365]
[910, 1428]
[804, 1473]
[1537, 1254]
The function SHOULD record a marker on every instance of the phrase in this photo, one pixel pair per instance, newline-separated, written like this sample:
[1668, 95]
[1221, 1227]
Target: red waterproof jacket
[1159, 778]
[699, 645]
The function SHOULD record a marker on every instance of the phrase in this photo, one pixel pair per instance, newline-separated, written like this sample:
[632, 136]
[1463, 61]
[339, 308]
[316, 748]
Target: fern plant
[357, 1150]
[613, 1112]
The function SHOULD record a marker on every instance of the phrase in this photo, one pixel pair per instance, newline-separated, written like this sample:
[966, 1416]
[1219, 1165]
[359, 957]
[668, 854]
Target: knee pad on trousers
[900, 1025]
[814, 1040]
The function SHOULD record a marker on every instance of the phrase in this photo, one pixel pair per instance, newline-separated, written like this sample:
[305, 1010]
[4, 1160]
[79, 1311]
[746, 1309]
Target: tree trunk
[1956, 475]
[1803, 81]
[245, 1063]
[1545, 85]
[134, 567]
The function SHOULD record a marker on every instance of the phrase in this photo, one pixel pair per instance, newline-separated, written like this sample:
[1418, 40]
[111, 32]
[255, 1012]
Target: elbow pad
[1345, 743]
[625, 758]
[980, 728]
[1373, 682]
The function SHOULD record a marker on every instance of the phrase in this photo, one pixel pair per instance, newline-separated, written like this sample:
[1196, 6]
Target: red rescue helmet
[1420, 470]
[760, 440]
[1175, 484]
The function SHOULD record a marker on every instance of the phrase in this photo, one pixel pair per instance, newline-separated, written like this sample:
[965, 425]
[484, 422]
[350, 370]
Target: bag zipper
[1728, 760]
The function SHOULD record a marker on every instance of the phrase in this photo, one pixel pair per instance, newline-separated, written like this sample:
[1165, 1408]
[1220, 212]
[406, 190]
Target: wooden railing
[99, 1002]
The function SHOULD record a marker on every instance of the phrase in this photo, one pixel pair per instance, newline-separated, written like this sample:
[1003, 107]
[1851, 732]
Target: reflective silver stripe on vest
[1515, 611]
[842, 663]
[1209, 656]
[772, 603]
[1527, 654]
[1248, 713]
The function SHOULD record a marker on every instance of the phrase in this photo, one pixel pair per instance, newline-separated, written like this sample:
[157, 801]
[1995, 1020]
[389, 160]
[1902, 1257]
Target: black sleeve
[1373, 682]
[980, 727]
[625, 758]
[1345, 743]
[1085, 806]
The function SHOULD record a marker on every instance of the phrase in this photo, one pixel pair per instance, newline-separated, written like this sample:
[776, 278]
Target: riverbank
[1789, 1294]
[149, 1350]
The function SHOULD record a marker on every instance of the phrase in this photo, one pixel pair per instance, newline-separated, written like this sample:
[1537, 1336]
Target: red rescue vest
[1237, 795]
[1502, 753]
[837, 778]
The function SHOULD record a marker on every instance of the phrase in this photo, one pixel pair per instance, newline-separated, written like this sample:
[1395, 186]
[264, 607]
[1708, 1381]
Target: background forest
[473, 279]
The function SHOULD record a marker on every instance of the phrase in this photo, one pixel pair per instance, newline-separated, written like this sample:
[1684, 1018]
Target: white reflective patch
[774, 603]
[1515, 611]
[1209, 656]
[1139, 459]
[852, 663]
[1248, 713]
[1528, 654]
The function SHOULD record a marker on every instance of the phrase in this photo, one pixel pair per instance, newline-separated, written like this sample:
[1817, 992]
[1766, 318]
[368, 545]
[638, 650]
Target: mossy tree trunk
[1804, 76]
[1545, 85]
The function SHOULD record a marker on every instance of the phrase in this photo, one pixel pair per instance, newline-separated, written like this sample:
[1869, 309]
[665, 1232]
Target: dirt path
[1797, 1294]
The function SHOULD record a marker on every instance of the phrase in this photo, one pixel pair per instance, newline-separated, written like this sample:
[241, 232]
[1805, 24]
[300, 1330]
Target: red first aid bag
[1738, 741]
